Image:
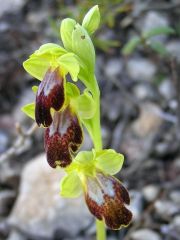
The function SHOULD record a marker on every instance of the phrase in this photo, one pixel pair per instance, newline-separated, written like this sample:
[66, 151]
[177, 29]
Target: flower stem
[100, 230]
[97, 139]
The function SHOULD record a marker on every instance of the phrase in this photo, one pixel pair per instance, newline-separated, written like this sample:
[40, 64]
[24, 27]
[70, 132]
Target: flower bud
[66, 29]
[91, 20]
[83, 47]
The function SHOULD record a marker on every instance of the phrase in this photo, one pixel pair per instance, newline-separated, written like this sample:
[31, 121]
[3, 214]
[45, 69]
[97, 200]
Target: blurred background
[138, 69]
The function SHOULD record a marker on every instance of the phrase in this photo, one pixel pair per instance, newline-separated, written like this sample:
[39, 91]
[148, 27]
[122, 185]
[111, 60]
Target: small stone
[4, 140]
[11, 6]
[165, 209]
[176, 222]
[44, 211]
[143, 91]
[175, 197]
[150, 192]
[141, 69]
[113, 68]
[166, 89]
[14, 235]
[173, 47]
[136, 205]
[149, 120]
[145, 234]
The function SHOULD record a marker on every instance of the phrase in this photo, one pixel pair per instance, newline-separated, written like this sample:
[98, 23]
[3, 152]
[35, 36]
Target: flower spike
[50, 94]
[62, 138]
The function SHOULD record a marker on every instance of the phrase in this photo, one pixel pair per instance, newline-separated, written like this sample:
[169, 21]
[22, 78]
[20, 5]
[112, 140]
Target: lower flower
[105, 196]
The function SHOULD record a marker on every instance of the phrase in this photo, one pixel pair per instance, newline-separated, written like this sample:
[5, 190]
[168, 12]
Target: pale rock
[173, 48]
[175, 196]
[150, 192]
[136, 205]
[4, 140]
[141, 91]
[11, 6]
[40, 210]
[141, 69]
[166, 89]
[149, 120]
[145, 234]
[113, 68]
[165, 209]
[176, 222]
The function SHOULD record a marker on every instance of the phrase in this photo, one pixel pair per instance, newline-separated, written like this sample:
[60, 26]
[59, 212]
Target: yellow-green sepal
[70, 65]
[66, 29]
[70, 185]
[37, 66]
[29, 110]
[83, 47]
[91, 20]
[40, 61]
[109, 161]
[51, 49]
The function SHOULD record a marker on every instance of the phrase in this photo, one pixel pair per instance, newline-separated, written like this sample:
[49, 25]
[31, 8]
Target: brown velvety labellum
[106, 198]
[62, 138]
[50, 94]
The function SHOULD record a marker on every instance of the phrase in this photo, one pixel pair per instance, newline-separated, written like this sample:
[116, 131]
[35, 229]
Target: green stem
[100, 230]
[97, 140]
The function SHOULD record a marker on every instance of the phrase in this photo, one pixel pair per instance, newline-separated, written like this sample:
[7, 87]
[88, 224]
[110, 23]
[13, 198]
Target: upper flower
[105, 196]
[50, 94]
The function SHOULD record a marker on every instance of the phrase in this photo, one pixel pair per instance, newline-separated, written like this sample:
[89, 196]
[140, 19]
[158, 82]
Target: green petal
[70, 186]
[84, 157]
[37, 66]
[109, 161]
[86, 105]
[70, 64]
[29, 110]
[83, 46]
[72, 90]
[91, 20]
[67, 26]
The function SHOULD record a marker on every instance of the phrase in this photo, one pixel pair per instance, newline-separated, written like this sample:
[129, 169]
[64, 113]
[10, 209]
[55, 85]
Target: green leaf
[35, 89]
[83, 47]
[69, 62]
[158, 47]
[29, 110]
[70, 186]
[66, 29]
[158, 31]
[86, 105]
[109, 161]
[37, 66]
[91, 20]
[131, 45]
